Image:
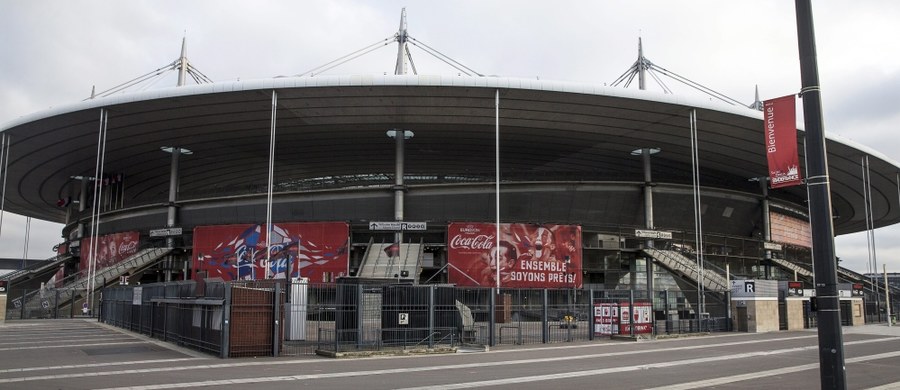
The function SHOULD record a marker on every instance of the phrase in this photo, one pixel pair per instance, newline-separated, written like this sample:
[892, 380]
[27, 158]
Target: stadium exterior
[593, 187]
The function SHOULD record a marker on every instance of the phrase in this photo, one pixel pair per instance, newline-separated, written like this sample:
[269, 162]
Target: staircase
[48, 267]
[686, 267]
[792, 267]
[70, 290]
[378, 264]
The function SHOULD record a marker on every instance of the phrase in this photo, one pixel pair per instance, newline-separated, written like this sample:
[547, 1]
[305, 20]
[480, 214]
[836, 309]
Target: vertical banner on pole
[780, 125]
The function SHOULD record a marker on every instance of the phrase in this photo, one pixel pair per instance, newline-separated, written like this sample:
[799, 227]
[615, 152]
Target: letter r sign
[749, 287]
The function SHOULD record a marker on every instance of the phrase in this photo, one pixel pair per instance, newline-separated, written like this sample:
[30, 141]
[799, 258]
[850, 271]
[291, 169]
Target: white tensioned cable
[27, 235]
[865, 183]
[699, 216]
[95, 204]
[4, 169]
[871, 232]
[698, 233]
[271, 184]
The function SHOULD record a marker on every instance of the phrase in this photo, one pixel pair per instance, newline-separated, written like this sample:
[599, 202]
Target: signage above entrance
[771, 246]
[167, 232]
[652, 234]
[398, 226]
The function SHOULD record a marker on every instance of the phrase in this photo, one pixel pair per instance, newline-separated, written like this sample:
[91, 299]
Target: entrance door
[742, 319]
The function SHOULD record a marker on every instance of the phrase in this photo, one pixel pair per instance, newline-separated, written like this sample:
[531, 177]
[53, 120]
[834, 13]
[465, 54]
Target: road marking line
[760, 374]
[112, 338]
[71, 345]
[467, 365]
[77, 366]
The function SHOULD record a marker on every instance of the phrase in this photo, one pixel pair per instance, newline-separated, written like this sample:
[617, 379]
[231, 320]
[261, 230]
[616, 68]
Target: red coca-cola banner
[531, 256]
[318, 251]
[780, 125]
[111, 249]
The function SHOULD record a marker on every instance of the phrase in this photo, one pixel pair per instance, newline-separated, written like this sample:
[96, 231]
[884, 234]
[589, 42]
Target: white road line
[760, 374]
[78, 366]
[111, 338]
[71, 345]
[288, 362]
[889, 386]
[471, 365]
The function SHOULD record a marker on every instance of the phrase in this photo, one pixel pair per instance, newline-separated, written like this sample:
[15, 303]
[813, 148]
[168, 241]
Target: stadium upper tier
[331, 134]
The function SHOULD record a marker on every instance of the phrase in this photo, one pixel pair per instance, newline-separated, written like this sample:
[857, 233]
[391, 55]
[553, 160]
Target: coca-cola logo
[128, 247]
[481, 241]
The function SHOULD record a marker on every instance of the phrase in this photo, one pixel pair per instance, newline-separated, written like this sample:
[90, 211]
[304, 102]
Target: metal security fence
[45, 303]
[172, 312]
[291, 318]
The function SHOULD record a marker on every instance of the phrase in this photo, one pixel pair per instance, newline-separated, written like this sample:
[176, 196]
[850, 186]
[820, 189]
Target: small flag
[392, 250]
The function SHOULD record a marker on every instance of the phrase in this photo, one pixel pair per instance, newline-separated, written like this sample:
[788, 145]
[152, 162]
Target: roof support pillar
[400, 136]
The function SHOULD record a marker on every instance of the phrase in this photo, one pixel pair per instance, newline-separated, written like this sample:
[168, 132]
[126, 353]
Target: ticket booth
[755, 305]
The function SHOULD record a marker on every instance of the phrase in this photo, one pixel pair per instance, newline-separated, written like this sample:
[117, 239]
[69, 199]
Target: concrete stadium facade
[569, 154]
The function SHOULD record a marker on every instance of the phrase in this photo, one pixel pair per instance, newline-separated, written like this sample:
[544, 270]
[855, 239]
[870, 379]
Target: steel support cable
[698, 222]
[628, 73]
[659, 81]
[151, 82]
[191, 69]
[27, 237]
[344, 62]
[865, 184]
[411, 63]
[871, 232]
[424, 45]
[109, 92]
[459, 68]
[137, 80]
[630, 79]
[95, 215]
[271, 186]
[695, 85]
[4, 159]
[351, 56]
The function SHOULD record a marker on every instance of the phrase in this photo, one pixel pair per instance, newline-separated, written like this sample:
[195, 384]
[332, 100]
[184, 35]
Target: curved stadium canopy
[330, 133]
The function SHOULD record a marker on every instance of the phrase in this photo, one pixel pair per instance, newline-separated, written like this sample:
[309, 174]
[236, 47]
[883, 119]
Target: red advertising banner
[639, 316]
[317, 250]
[531, 256]
[780, 125]
[606, 319]
[111, 249]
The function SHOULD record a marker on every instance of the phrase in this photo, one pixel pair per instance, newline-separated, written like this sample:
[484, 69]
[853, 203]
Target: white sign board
[138, 294]
[398, 226]
[166, 232]
[652, 234]
[771, 246]
[404, 319]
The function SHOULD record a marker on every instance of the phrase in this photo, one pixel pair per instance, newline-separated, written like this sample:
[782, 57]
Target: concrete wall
[795, 313]
[762, 314]
[859, 311]
[2, 308]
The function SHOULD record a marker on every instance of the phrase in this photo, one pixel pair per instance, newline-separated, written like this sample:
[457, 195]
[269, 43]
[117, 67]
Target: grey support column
[645, 154]
[82, 200]
[767, 222]
[400, 136]
[172, 212]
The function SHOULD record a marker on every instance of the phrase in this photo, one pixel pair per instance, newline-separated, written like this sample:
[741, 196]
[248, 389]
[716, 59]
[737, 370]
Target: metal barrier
[171, 312]
[290, 318]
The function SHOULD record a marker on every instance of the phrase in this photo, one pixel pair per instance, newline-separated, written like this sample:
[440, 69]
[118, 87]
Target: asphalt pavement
[84, 354]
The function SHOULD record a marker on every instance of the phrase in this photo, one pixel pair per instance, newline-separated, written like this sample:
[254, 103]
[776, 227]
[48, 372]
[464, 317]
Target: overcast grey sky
[53, 52]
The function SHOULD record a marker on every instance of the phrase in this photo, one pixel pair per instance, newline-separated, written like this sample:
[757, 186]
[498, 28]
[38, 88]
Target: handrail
[682, 264]
[793, 267]
[36, 266]
[75, 283]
